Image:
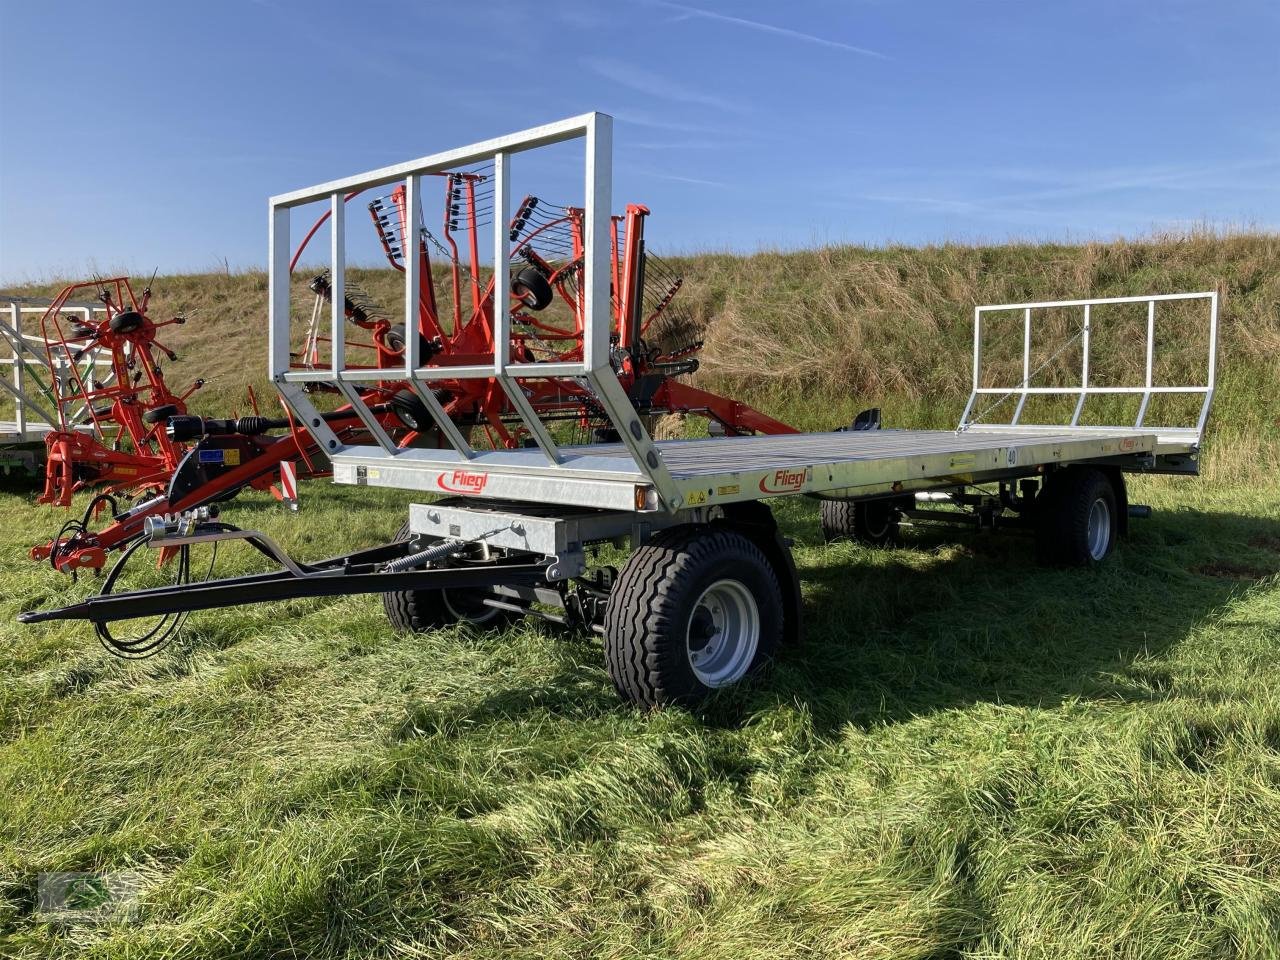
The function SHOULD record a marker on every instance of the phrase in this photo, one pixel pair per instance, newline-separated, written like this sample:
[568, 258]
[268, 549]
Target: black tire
[661, 598]
[873, 522]
[160, 414]
[418, 610]
[411, 411]
[126, 321]
[394, 338]
[532, 288]
[1077, 519]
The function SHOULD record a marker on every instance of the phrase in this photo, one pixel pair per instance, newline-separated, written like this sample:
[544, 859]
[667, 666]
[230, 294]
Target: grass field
[969, 757]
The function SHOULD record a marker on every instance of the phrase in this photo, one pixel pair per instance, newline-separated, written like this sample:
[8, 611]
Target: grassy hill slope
[818, 334]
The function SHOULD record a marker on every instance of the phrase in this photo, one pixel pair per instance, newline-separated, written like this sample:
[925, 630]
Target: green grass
[969, 757]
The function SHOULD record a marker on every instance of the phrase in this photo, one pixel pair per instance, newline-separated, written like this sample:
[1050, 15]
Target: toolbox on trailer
[709, 592]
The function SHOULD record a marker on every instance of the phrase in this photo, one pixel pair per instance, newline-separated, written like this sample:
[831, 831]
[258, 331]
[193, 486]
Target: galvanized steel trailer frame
[538, 510]
[638, 474]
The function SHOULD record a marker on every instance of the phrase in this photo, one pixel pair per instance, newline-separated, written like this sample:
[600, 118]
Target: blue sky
[142, 135]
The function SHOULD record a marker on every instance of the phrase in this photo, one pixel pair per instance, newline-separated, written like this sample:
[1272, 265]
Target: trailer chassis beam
[354, 573]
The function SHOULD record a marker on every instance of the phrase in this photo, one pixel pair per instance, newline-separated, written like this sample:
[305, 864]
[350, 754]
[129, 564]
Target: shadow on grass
[890, 638]
[952, 619]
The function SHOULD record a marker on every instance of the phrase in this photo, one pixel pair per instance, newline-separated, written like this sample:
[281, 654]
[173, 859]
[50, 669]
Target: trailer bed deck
[730, 469]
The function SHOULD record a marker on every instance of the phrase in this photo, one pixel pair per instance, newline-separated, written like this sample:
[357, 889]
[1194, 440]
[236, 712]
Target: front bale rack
[708, 592]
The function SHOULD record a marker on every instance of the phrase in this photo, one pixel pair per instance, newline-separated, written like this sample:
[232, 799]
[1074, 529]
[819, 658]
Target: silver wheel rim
[723, 633]
[1099, 529]
[881, 531]
[461, 613]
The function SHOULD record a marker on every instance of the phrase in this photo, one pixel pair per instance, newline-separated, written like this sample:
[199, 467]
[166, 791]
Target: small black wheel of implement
[394, 338]
[160, 414]
[694, 610]
[873, 522]
[1076, 518]
[126, 321]
[411, 411]
[532, 288]
[419, 610]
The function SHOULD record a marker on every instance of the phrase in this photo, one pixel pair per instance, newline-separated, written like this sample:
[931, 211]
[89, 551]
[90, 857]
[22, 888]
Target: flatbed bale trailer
[709, 592]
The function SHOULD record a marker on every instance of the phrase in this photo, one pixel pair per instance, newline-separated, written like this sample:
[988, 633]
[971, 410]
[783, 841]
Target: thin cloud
[680, 145]
[1095, 183]
[705, 129]
[655, 85]
[689, 11]
[696, 181]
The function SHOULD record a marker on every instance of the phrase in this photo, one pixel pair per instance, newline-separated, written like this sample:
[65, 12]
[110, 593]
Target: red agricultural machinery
[123, 404]
[145, 444]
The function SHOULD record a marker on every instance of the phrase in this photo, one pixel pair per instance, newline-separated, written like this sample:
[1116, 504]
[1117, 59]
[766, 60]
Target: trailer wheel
[694, 610]
[418, 610]
[1076, 518]
[873, 522]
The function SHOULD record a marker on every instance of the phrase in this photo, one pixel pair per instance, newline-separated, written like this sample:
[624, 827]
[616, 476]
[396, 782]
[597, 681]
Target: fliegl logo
[462, 481]
[782, 481]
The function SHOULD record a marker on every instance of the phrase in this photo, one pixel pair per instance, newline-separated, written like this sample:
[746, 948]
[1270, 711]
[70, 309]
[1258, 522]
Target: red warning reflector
[289, 484]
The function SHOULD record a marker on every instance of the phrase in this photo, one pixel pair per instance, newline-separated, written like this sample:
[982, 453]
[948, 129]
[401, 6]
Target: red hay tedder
[144, 444]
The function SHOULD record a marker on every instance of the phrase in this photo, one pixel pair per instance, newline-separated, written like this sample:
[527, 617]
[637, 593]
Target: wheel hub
[723, 633]
[1099, 530]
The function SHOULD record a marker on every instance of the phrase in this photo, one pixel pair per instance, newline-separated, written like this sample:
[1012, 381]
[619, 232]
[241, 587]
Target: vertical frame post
[338, 283]
[1084, 369]
[412, 277]
[1026, 365]
[19, 407]
[599, 201]
[1212, 383]
[501, 260]
[278, 290]
[1151, 358]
